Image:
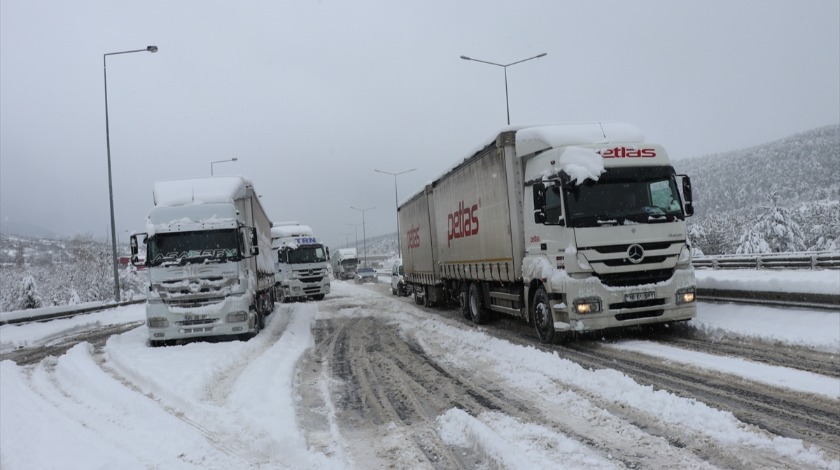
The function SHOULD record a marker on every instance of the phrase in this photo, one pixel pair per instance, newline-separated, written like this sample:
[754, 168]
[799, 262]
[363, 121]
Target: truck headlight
[685, 256]
[236, 317]
[587, 305]
[686, 295]
[157, 322]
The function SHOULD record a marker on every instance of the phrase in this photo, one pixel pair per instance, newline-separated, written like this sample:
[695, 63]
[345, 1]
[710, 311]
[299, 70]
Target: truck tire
[427, 302]
[476, 307]
[463, 301]
[542, 318]
[318, 297]
[417, 298]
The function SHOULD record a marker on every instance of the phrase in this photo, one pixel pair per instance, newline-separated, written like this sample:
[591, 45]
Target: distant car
[365, 274]
[398, 286]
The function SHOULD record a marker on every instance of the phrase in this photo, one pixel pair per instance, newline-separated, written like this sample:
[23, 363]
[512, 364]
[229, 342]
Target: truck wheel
[426, 297]
[156, 343]
[463, 301]
[542, 317]
[417, 298]
[477, 313]
[318, 297]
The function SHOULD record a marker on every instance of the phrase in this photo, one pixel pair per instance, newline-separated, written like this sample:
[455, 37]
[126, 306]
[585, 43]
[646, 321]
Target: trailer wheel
[427, 302]
[463, 301]
[477, 313]
[542, 318]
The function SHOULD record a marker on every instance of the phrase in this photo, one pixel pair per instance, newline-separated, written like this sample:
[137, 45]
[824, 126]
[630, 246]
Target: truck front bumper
[294, 289]
[611, 307]
[230, 317]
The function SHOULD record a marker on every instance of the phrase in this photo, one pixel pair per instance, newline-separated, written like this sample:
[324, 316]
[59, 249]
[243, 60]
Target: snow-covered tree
[752, 242]
[28, 295]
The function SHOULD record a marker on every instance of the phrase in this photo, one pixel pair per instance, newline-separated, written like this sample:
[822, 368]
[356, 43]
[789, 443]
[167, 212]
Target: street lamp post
[396, 204]
[364, 235]
[221, 161]
[346, 237]
[505, 66]
[356, 232]
[110, 180]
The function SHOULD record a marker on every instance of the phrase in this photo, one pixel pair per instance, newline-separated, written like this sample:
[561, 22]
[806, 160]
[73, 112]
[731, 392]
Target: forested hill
[798, 169]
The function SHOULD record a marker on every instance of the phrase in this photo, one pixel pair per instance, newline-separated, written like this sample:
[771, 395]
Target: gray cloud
[311, 97]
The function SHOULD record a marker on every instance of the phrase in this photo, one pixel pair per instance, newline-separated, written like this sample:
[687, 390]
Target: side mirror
[255, 247]
[686, 187]
[539, 203]
[133, 244]
[135, 250]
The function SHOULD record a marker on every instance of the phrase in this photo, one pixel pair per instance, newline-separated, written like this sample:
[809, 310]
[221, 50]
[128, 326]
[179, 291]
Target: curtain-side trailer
[573, 227]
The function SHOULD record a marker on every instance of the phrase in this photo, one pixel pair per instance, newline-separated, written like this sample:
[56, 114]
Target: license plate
[189, 317]
[639, 296]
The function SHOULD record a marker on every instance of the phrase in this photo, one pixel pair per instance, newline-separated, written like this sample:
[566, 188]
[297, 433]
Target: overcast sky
[313, 96]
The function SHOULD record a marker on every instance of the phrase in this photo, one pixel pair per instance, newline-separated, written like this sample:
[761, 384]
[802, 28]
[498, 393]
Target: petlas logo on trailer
[463, 222]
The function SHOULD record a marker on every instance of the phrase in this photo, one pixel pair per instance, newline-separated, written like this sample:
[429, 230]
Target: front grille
[200, 321]
[626, 262]
[636, 315]
[635, 278]
[639, 304]
[624, 247]
[193, 302]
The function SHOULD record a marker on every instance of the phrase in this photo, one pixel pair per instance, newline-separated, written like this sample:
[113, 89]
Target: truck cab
[609, 223]
[301, 262]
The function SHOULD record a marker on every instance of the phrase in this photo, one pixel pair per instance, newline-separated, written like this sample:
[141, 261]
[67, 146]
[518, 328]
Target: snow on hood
[536, 138]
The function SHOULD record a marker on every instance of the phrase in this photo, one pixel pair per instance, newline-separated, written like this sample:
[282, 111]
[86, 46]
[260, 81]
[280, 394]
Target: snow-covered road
[364, 379]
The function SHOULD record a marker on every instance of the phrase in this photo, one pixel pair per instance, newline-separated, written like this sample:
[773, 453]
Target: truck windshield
[349, 262]
[307, 254]
[624, 196]
[193, 247]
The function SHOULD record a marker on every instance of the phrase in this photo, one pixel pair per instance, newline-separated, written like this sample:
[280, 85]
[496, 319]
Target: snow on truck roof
[530, 139]
[217, 189]
[288, 231]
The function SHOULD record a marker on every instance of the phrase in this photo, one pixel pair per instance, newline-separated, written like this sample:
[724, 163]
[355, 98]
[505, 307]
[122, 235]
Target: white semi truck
[344, 262]
[208, 258]
[572, 227]
[301, 260]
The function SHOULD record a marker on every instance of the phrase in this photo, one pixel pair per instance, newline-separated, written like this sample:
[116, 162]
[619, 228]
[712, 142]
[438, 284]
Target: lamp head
[543, 54]
[152, 49]
[465, 57]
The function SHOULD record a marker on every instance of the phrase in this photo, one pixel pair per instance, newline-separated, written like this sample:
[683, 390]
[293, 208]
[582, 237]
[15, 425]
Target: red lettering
[463, 222]
[413, 236]
[624, 152]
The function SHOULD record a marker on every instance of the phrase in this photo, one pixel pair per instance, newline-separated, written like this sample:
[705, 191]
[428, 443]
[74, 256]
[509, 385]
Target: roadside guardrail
[798, 260]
